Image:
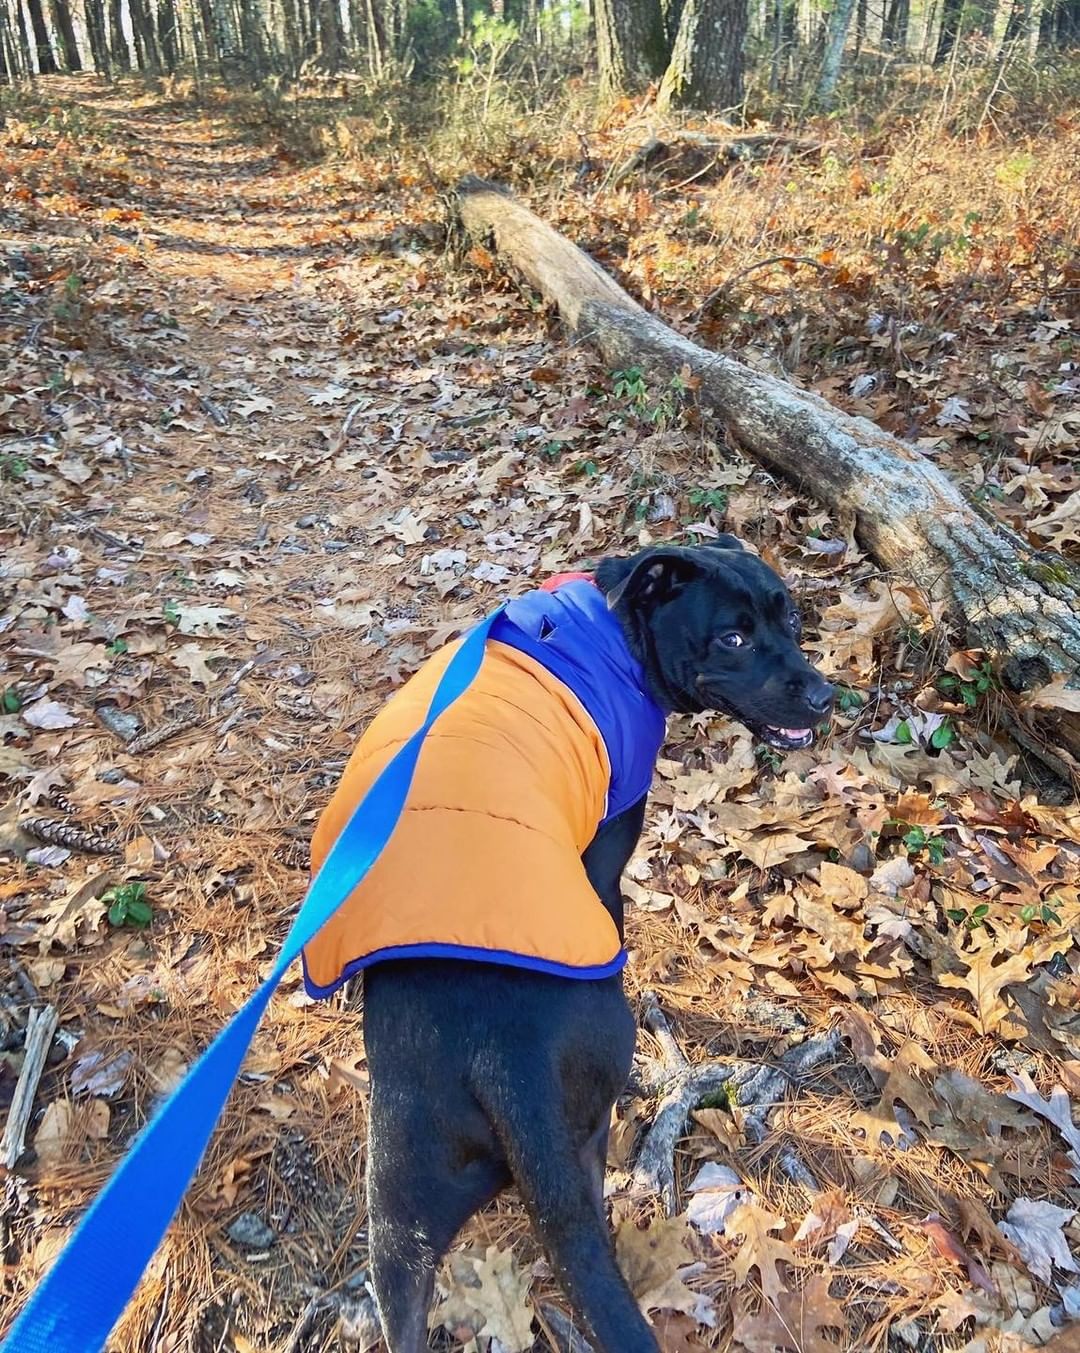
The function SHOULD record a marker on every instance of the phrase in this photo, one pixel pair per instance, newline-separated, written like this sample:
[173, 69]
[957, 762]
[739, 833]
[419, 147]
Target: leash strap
[86, 1290]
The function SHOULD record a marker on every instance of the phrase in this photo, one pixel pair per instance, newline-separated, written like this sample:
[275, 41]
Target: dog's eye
[732, 640]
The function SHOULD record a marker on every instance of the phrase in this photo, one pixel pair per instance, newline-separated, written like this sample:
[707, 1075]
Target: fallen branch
[40, 1028]
[730, 150]
[1018, 604]
[757, 1088]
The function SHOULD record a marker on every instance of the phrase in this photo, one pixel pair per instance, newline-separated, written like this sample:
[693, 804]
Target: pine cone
[147, 741]
[68, 834]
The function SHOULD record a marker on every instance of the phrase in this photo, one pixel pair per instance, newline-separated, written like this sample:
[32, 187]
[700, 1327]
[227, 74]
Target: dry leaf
[759, 1248]
[796, 1323]
[1035, 1228]
[54, 1136]
[499, 1301]
[989, 973]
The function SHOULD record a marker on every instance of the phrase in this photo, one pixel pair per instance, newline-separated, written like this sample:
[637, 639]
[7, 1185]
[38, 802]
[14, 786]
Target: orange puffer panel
[485, 862]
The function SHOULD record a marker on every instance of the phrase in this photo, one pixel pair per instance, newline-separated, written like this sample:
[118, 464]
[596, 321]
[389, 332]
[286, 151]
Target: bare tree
[839, 21]
[65, 32]
[46, 61]
[952, 12]
[707, 62]
[630, 44]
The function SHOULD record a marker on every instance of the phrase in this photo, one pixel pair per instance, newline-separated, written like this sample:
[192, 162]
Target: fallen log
[1018, 604]
[729, 150]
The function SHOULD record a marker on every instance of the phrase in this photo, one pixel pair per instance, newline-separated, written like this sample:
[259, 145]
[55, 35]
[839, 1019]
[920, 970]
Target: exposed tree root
[756, 1088]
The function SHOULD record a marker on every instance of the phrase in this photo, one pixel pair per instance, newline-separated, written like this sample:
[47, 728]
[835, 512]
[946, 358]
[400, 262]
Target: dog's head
[714, 628]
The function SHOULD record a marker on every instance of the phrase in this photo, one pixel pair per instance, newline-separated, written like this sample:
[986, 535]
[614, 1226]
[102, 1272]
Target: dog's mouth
[786, 739]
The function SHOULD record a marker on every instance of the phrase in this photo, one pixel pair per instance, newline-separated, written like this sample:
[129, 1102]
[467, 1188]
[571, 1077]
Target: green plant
[970, 689]
[118, 647]
[588, 468]
[128, 905]
[971, 919]
[630, 387]
[916, 839]
[13, 467]
[715, 500]
[1044, 913]
[848, 701]
[171, 612]
[10, 702]
[768, 756]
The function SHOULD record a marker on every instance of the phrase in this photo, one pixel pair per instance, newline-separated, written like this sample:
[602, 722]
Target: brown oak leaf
[797, 1323]
[759, 1248]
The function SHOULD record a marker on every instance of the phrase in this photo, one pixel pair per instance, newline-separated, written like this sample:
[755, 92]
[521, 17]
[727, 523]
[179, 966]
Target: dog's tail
[555, 1186]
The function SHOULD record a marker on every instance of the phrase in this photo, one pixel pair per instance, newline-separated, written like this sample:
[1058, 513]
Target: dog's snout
[819, 696]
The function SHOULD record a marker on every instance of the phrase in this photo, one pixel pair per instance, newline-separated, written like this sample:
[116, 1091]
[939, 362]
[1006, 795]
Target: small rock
[251, 1231]
[308, 519]
[467, 520]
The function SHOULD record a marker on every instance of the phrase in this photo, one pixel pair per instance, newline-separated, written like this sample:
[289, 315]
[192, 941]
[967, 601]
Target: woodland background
[272, 428]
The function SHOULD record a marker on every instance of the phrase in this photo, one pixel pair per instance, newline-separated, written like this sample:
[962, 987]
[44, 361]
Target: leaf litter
[253, 474]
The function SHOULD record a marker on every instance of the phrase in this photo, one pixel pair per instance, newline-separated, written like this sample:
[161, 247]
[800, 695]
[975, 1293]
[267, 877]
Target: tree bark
[1020, 605]
[707, 63]
[46, 62]
[895, 32]
[839, 20]
[630, 45]
[951, 16]
[65, 31]
[94, 12]
[118, 43]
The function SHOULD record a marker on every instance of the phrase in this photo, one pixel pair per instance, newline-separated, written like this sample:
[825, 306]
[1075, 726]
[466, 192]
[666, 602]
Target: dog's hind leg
[560, 1192]
[418, 1200]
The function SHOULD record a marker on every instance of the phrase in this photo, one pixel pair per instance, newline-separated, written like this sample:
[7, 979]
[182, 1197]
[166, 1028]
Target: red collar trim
[559, 579]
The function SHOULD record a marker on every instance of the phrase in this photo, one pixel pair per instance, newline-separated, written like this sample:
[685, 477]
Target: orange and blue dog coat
[556, 735]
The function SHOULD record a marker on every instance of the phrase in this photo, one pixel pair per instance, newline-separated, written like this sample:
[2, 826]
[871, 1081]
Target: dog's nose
[819, 697]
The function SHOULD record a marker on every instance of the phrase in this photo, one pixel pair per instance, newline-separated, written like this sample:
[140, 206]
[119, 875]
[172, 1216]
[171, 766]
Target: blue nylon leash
[84, 1293]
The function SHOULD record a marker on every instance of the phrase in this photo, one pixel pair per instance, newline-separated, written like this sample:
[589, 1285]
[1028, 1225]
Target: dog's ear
[655, 575]
[722, 542]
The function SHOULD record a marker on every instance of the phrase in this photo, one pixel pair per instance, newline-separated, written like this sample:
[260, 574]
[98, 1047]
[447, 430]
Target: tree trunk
[46, 62]
[1015, 28]
[630, 45]
[146, 46]
[951, 16]
[1020, 605]
[97, 36]
[895, 32]
[118, 43]
[331, 38]
[839, 20]
[24, 41]
[861, 15]
[65, 31]
[168, 34]
[707, 64]
[13, 63]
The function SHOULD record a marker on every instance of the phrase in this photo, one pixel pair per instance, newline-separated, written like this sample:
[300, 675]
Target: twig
[40, 1028]
[654, 1171]
[562, 1330]
[656, 1022]
[758, 1088]
[159, 1322]
[714, 295]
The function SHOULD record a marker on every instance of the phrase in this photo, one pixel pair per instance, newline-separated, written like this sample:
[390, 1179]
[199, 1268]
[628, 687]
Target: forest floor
[267, 443]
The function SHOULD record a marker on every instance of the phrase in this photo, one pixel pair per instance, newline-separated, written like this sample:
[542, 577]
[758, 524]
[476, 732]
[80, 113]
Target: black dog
[483, 1075]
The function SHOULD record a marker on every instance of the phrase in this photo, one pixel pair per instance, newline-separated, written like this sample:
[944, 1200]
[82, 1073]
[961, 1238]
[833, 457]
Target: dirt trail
[264, 449]
[229, 517]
